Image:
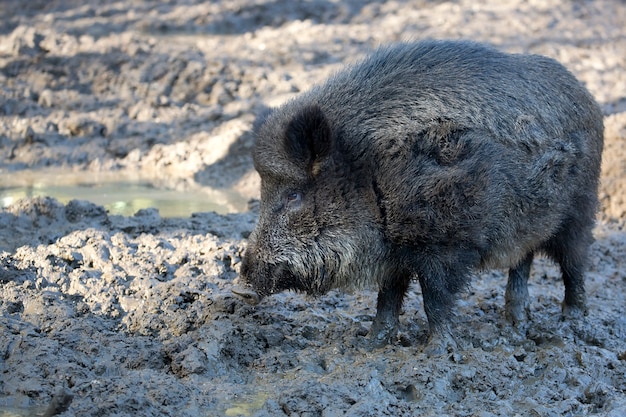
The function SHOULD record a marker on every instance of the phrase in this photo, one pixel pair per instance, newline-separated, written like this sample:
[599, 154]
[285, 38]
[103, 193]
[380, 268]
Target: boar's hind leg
[390, 296]
[569, 249]
[516, 296]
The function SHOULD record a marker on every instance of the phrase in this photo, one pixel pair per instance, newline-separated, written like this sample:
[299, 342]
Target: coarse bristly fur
[428, 161]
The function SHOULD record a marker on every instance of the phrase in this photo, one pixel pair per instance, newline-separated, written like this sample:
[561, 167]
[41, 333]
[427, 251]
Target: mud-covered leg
[390, 297]
[438, 305]
[569, 249]
[516, 296]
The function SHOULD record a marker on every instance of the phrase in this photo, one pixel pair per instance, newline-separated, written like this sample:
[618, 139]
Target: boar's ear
[308, 137]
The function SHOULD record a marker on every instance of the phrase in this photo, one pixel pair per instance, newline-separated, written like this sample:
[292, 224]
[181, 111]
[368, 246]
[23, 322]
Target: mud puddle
[22, 412]
[120, 195]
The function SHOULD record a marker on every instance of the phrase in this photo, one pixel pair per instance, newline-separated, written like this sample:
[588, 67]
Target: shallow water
[21, 412]
[119, 195]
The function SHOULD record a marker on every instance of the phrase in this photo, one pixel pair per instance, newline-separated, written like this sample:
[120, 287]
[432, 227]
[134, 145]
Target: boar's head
[318, 226]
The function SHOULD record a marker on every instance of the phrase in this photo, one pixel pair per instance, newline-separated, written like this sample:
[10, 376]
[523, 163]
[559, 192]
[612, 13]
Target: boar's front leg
[441, 279]
[438, 305]
[390, 296]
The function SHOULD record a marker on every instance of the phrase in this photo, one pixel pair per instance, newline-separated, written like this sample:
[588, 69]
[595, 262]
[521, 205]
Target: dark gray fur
[428, 161]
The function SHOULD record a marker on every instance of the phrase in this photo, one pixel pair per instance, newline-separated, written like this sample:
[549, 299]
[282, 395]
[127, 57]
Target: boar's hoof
[518, 313]
[382, 334]
[439, 344]
[247, 295]
[573, 312]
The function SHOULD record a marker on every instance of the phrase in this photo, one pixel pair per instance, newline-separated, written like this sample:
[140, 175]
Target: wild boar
[428, 161]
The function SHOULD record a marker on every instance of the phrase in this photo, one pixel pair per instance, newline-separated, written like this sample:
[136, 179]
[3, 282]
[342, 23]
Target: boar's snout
[248, 295]
[260, 278]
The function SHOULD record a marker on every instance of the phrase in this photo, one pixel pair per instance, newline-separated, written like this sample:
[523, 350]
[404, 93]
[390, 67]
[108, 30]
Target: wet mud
[109, 315]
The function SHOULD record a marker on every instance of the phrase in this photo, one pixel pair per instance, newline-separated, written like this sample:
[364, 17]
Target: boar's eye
[293, 200]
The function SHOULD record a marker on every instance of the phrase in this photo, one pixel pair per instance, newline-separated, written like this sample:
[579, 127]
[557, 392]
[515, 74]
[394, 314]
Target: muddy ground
[104, 315]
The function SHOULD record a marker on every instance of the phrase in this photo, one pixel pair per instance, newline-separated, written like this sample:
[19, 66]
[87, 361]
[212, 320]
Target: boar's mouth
[264, 279]
[248, 295]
